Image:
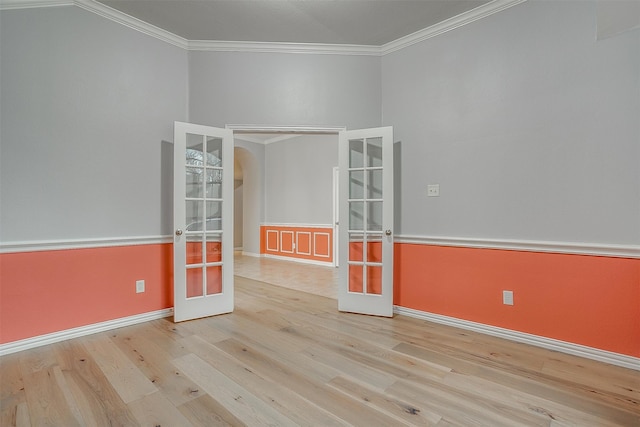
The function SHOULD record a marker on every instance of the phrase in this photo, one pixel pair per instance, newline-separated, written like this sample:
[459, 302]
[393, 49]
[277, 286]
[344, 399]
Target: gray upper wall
[299, 180]
[87, 107]
[284, 89]
[529, 125]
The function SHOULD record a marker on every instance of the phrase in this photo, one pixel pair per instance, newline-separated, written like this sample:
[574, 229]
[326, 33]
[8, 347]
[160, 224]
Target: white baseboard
[300, 260]
[617, 359]
[253, 254]
[25, 344]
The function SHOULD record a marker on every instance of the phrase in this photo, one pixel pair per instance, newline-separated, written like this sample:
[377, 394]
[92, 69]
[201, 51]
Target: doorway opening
[285, 190]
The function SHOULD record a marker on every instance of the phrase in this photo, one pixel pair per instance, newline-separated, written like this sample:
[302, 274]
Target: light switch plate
[433, 190]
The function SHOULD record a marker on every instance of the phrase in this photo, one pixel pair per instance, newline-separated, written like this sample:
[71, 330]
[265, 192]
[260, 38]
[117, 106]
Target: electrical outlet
[139, 286]
[507, 297]
[433, 190]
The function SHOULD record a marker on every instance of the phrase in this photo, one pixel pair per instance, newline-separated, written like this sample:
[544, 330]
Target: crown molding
[29, 4]
[457, 21]
[131, 22]
[239, 46]
[104, 11]
[264, 47]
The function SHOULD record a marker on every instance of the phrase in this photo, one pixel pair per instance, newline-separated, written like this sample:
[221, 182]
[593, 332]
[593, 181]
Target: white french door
[203, 221]
[366, 219]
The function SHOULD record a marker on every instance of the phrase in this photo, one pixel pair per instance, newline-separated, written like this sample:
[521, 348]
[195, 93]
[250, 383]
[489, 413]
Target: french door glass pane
[194, 249]
[194, 181]
[374, 248]
[214, 216]
[214, 151]
[355, 247]
[374, 216]
[214, 280]
[194, 148]
[214, 184]
[356, 147]
[194, 210]
[374, 184]
[356, 215]
[356, 184]
[214, 248]
[374, 152]
[374, 280]
[194, 282]
[355, 278]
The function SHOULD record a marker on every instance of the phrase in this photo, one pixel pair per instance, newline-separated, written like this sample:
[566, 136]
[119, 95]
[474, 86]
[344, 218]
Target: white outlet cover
[139, 286]
[433, 190]
[507, 297]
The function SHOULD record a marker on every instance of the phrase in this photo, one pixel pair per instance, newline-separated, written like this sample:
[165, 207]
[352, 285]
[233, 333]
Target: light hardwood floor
[315, 279]
[288, 358]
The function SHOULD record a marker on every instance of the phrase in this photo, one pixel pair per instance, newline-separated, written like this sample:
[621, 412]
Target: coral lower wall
[50, 291]
[588, 300]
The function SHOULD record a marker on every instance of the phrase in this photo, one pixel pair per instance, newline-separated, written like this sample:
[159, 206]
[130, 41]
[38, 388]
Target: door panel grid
[366, 284]
[203, 216]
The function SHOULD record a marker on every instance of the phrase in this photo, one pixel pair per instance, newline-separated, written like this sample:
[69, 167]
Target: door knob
[388, 232]
[178, 232]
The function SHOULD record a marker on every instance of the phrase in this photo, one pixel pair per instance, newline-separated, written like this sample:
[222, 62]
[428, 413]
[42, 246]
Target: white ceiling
[354, 22]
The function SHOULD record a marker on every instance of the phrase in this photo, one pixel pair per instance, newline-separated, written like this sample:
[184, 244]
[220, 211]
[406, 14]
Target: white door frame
[336, 216]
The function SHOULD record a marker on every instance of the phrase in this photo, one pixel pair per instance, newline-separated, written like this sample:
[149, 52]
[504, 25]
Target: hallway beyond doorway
[313, 279]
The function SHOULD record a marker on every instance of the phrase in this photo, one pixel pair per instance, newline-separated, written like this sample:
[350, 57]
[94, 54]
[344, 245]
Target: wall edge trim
[292, 225]
[599, 355]
[299, 260]
[54, 337]
[122, 18]
[594, 249]
[56, 245]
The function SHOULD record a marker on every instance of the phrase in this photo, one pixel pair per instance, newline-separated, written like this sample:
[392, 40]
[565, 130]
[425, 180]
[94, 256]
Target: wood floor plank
[46, 400]
[274, 349]
[326, 397]
[13, 401]
[282, 398]
[465, 411]
[156, 410]
[15, 415]
[403, 412]
[241, 403]
[205, 411]
[97, 400]
[156, 365]
[124, 376]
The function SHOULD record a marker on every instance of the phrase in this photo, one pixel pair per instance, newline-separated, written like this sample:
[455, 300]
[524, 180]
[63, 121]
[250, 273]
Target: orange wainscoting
[51, 291]
[588, 300]
[314, 244]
